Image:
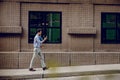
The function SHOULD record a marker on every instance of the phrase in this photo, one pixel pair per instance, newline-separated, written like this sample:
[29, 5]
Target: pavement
[87, 77]
[60, 73]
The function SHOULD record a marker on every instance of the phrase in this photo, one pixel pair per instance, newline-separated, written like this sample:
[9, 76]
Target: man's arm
[44, 39]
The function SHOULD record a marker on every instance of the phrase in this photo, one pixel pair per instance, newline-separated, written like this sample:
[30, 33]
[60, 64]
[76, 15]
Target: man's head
[39, 32]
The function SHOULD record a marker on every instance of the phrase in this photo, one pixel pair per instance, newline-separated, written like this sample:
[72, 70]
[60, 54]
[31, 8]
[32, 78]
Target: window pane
[110, 34]
[32, 32]
[53, 19]
[49, 22]
[110, 28]
[53, 35]
[109, 20]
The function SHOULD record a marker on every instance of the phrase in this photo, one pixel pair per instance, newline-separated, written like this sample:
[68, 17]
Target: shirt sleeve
[38, 40]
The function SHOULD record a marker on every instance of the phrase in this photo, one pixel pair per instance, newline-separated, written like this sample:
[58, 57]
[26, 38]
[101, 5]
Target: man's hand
[41, 46]
[45, 38]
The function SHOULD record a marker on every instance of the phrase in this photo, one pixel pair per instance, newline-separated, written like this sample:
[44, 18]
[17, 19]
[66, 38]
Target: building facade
[71, 25]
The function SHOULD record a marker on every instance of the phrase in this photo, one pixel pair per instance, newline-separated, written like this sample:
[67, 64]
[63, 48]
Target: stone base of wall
[16, 60]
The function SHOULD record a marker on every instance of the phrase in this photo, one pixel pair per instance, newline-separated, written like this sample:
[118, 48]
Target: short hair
[39, 30]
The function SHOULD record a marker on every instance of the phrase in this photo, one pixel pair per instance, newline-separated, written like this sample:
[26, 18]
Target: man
[37, 50]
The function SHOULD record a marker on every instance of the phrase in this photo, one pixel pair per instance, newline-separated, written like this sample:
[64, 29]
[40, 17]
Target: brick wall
[97, 22]
[69, 1]
[14, 60]
[9, 60]
[9, 18]
[75, 14]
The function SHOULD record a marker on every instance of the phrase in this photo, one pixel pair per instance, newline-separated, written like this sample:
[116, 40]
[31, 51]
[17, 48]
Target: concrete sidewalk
[60, 71]
[87, 77]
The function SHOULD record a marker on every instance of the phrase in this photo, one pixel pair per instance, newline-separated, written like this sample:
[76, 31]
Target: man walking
[37, 50]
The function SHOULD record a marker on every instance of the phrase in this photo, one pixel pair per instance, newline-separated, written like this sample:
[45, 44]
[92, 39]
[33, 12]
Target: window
[49, 22]
[110, 28]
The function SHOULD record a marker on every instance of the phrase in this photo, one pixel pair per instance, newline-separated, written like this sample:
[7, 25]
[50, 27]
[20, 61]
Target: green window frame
[110, 28]
[50, 23]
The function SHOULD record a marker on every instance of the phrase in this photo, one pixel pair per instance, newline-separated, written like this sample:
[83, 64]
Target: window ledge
[82, 30]
[10, 29]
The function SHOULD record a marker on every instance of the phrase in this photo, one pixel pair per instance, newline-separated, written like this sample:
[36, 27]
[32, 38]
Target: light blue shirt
[37, 41]
[40, 38]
